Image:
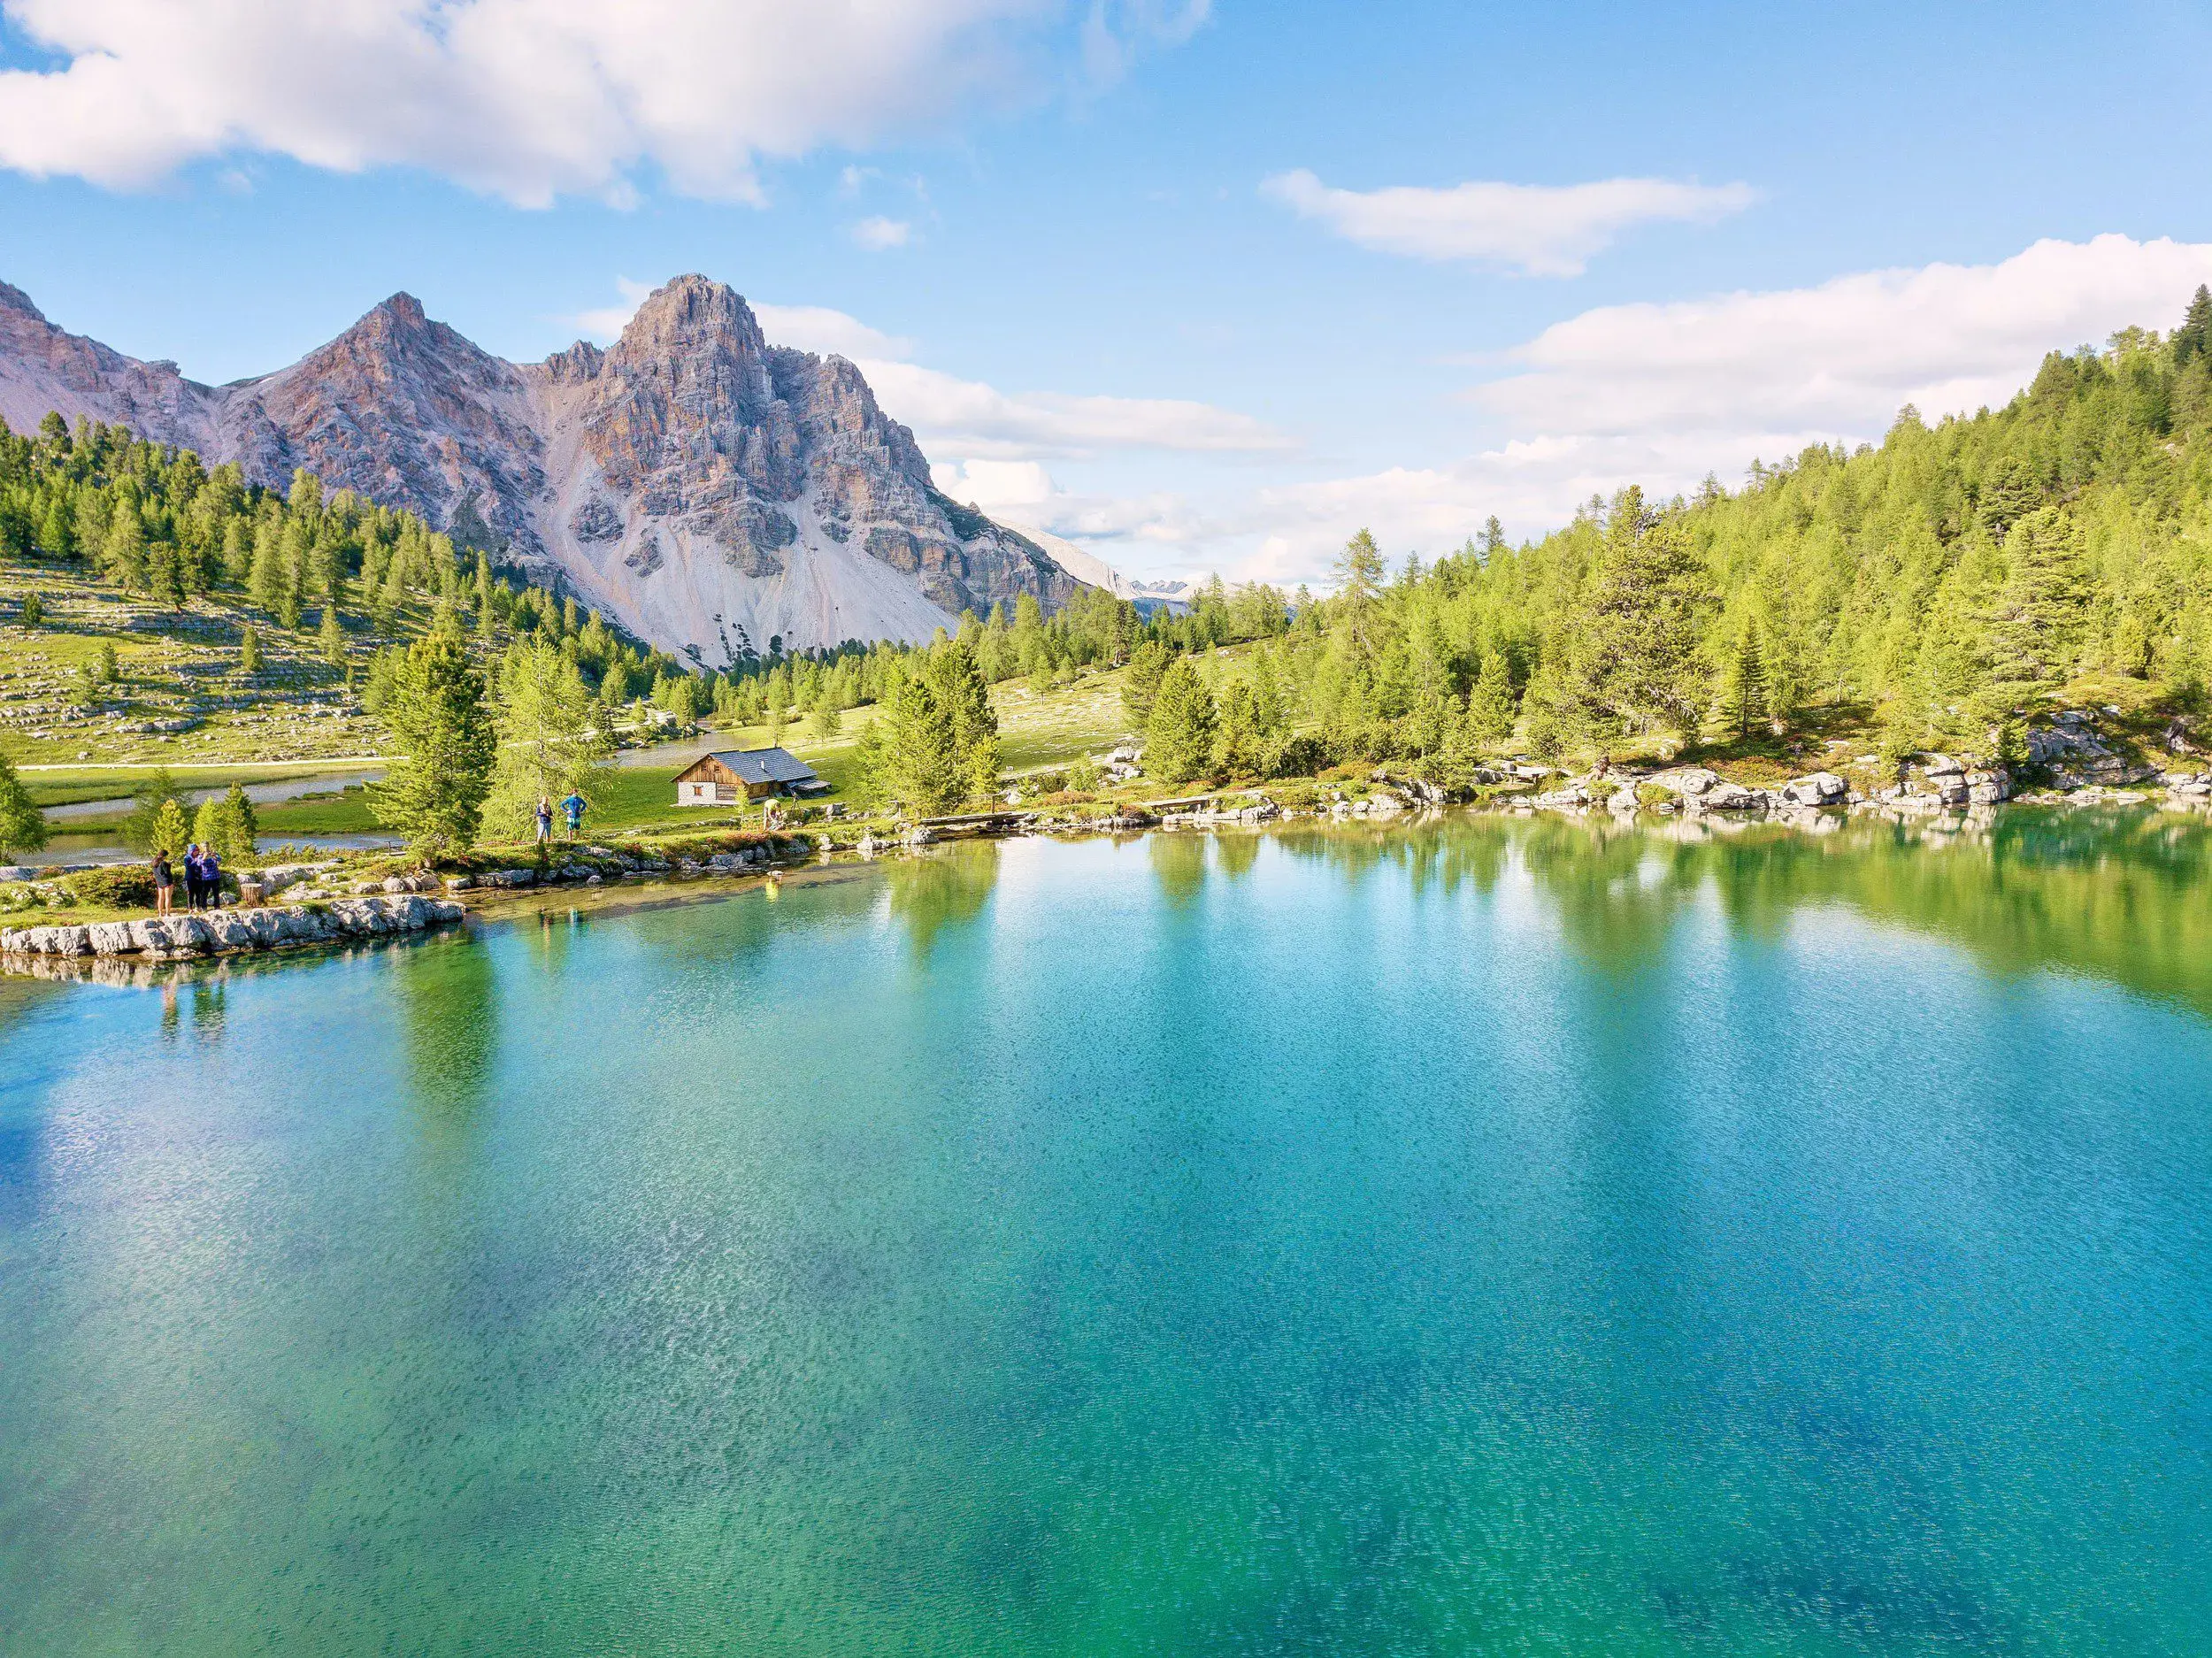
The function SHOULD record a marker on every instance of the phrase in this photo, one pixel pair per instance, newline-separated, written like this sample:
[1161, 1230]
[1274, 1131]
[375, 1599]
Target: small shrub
[117, 886]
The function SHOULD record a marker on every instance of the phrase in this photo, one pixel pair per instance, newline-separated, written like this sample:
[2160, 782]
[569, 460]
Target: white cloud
[606, 322]
[1839, 358]
[1662, 394]
[879, 235]
[1541, 230]
[966, 419]
[1116, 30]
[524, 99]
[1024, 493]
[827, 333]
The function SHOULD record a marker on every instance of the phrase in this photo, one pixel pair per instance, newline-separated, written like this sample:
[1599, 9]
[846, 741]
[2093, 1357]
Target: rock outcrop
[714, 492]
[224, 931]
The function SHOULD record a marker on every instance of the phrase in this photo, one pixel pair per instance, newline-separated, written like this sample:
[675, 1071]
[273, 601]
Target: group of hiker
[202, 879]
[204, 870]
[572, 812]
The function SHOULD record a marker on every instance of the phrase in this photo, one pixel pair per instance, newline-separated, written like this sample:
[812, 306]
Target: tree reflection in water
[2125, 895]
[947, 887]
[1179, 861]
[447, 991]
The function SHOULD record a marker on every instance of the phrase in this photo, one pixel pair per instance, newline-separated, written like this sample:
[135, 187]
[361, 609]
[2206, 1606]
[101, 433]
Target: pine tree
[917, 759]
[331, 638]
[553, 739]
[1140, 685]
[436, 714]
[1490, 704]
[172, 831]
[1238, 741]
[156, 794]
[1359, 572]
[207, 824]
[1634, 659]
[164, 573]
[23, 827]
[2193, 339]
[2008, 494]
[2036, 629]
[123, 552]
[17, 533]
[237, 560]
[1178, 741]
[959, 687]
[239, 827]
[34, 611]
[678, 696]
[1744, 690]
[267, 579]
[296, 556]
[57, 536]
[249, 651]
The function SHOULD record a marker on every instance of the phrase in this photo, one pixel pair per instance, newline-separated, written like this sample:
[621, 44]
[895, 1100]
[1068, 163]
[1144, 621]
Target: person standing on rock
[192, 875]
[545, 820]
[164, 879]
[573, 806]
[211, 881]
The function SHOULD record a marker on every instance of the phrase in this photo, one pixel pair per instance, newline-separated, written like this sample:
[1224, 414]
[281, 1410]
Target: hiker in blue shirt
[211, 880]
[575, 807]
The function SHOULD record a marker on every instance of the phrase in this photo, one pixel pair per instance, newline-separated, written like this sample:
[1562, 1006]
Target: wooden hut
[733, 776]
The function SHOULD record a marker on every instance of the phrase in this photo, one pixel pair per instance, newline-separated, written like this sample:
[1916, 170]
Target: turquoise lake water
[1497, 1236]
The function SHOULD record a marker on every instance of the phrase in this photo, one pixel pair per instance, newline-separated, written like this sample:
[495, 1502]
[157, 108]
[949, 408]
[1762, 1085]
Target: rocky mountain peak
[692, 311]
[404, 310]
[716, 494]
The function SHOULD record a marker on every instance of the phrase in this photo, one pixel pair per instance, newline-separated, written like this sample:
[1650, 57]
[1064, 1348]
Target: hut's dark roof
[763, 765]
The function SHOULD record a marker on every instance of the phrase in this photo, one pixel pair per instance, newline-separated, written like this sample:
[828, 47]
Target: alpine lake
[1487, 1235]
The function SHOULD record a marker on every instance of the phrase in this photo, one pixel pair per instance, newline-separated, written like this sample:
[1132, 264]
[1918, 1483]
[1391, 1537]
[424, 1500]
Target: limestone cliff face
[705, 470]
[403, 410]
[42, 370]
[714, 492]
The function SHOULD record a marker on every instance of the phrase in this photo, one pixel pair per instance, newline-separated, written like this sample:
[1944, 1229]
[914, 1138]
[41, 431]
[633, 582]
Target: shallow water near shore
[1490, 1235]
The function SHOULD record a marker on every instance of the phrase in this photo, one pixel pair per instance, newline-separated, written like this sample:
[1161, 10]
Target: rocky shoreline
[188, 935]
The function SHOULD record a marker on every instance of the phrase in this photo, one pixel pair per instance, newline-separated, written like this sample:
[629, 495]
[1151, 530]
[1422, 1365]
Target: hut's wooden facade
[733, 776]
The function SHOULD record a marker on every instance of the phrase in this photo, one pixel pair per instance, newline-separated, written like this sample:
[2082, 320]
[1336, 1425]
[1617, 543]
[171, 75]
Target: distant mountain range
[711, 491]
[1147, 596]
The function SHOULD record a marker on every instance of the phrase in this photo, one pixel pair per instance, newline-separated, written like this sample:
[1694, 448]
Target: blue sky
[1081, 286]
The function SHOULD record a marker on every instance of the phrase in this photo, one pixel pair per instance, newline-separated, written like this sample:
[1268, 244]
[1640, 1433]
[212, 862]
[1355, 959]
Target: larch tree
[1744, 706]
[553, 738]
[1490, 702]
[1359, 572]
[22, 826]
[438, 717]
[1140, 685]
[1178, 739]
[916, 753]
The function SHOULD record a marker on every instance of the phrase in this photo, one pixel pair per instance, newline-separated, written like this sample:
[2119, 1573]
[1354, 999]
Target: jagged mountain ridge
[711, 491]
